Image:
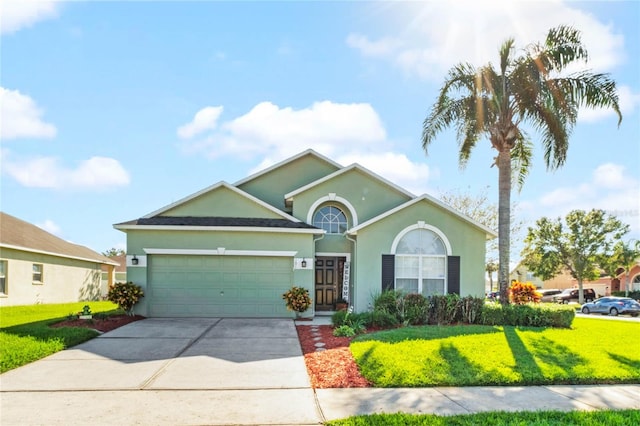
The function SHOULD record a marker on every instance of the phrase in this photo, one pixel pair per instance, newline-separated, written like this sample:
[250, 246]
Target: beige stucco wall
[64, 280]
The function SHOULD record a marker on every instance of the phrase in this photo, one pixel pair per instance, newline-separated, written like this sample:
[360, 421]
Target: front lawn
[592, 351]
[25, 335]
[577, 418]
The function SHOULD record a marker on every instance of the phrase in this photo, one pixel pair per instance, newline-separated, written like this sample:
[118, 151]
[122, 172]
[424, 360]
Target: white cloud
[268, 129]
[21, 117]
[50, 226]
[46, 172]
[610, 188]
[205, 119]
[436, 35]
[348, 133]
[395, 167]
[18, 14]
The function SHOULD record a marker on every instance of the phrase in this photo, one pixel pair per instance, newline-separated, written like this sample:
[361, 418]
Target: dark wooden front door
[328, 282]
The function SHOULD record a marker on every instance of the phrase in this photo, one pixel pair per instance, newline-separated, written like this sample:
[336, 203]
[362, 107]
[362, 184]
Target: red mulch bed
[334, 367]
[101, 324]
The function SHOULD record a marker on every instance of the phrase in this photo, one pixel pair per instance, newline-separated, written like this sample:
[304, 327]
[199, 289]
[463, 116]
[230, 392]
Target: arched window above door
[330, 218]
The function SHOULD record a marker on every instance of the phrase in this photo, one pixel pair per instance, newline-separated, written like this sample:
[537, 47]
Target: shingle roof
[17, 233]
[219, 221]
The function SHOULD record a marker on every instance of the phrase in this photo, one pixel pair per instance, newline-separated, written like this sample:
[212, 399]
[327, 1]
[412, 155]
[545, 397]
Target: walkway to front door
[328, 283]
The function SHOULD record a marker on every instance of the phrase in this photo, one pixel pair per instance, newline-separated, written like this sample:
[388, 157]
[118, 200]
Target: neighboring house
[522, 274]
[340, 232]
[38, 267]
[603, 285]
[120, 271]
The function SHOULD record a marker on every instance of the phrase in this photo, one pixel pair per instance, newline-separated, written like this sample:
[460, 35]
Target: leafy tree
[112, 252]
[479, 208]
[533, 88]
[577, 245]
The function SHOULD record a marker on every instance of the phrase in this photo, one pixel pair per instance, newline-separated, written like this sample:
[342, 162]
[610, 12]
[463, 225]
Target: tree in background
[578, 245]
[112, 252]
[531, 89]
[482, 210]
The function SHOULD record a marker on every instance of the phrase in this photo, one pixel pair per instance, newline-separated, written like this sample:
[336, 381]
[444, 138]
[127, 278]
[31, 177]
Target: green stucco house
[341, 232]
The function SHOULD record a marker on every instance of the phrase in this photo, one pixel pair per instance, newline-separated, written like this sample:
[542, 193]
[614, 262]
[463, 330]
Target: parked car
[571, 295]
[548, 294]
[613, 306]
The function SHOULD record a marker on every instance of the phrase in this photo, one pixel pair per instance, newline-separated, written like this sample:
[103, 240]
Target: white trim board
[220, 251]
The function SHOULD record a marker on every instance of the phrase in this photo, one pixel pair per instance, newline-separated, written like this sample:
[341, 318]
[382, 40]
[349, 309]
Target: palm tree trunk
[504, 218]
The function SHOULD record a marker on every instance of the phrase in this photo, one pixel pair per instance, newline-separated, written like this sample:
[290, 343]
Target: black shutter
[453, 274]
[388, 271]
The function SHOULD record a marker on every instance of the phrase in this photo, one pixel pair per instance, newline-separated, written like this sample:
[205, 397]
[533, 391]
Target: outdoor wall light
[134, 260]
[304, 263]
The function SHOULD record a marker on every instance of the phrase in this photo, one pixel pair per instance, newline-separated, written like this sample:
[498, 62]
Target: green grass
[25, 335]
[501, 418]
[592, 351]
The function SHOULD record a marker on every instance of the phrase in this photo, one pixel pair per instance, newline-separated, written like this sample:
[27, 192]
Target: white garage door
[218, 286]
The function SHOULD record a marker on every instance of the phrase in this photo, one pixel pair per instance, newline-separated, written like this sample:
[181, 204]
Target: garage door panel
[227, 286]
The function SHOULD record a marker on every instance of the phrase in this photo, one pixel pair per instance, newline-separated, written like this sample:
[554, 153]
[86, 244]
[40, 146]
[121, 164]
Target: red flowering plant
[297, 299]
[125, 295]
[523, 293]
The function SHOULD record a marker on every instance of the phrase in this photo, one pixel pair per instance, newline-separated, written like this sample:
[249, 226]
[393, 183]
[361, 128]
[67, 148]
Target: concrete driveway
[168, 371]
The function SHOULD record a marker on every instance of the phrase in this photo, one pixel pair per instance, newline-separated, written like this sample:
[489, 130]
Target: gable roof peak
[307, 152]
[221, 184]
[490, 234]
[353, 166]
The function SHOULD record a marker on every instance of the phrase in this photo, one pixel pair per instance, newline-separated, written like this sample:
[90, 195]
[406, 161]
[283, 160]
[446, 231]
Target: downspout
[354, 271]
[315, 240]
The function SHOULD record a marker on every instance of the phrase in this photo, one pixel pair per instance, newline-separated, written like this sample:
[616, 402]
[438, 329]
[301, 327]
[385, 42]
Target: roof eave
[126, 227]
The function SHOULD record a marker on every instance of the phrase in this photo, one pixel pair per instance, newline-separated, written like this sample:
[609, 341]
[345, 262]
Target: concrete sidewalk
[341, 403]
[211, 371]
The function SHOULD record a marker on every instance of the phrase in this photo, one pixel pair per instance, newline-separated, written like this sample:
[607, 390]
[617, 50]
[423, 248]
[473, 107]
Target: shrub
[297, 299]
[125, 295]
[380, 319]
[337, 319]
[635, 294]
[471, 309]
[531, 315]
[388, 301]
[415, 309]
[443, 309]
[344, 331]
[521, 293]
[355, 321]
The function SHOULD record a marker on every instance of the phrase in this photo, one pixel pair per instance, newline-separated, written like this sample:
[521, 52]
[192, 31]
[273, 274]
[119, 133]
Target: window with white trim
[3, 277]
[331, 219]
[421, 263]
[37, 273]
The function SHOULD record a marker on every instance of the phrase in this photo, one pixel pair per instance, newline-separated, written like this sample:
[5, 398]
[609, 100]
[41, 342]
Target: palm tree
[528, 89]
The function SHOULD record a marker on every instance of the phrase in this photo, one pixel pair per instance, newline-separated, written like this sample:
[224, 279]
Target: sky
[111, 110]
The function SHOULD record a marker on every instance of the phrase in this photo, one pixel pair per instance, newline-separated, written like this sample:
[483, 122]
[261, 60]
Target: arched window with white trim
[330, 218]
[421, 263]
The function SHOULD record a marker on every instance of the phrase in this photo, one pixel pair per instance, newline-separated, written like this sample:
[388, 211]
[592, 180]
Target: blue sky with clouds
[111, 110]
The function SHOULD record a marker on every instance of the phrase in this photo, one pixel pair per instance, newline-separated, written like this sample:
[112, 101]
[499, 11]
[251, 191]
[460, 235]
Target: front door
[328, 286]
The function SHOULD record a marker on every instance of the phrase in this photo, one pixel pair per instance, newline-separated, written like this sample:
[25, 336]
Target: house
[603, 286]
[117, 274]
[38, 267]
[340, 232]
